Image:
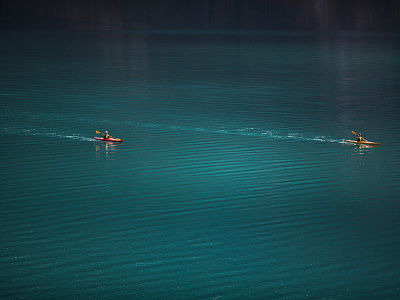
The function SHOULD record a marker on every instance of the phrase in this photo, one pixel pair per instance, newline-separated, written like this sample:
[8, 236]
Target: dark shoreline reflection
[320, 15]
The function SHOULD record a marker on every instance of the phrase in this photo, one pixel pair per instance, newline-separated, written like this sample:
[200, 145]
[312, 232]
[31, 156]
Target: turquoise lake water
[233, 180]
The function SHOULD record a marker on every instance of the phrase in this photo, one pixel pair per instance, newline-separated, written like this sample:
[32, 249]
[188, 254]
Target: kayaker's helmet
[106, 131]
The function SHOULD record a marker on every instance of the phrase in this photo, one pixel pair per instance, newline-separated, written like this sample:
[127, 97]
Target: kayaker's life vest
[359, 139]
[106, 136]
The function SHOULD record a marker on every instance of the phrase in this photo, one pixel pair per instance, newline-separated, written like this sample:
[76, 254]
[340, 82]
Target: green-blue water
[233, 180]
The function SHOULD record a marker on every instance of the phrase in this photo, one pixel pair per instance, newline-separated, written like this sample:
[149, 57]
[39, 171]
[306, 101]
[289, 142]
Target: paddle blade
[354, 133]
[98, 132]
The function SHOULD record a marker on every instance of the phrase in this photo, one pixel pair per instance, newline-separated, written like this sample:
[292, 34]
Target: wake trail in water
[26, 123]
[212, 128]
[254, 132]
[45, 132]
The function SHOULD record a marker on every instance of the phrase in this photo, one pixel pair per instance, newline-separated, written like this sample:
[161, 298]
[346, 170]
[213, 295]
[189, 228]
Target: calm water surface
[233, 180]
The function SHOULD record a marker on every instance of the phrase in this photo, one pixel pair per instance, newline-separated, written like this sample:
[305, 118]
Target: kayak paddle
[351, 132]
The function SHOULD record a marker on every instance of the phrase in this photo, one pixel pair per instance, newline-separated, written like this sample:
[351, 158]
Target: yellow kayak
[362, 143]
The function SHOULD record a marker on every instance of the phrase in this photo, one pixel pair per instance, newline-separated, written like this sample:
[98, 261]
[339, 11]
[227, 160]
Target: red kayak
[108, 139]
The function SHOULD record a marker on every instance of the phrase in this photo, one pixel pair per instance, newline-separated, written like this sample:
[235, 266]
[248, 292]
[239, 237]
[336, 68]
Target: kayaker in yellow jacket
[106, 136]
[359, 138]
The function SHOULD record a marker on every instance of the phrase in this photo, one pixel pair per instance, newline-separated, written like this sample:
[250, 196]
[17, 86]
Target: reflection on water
[366, 146]
[106, 150]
